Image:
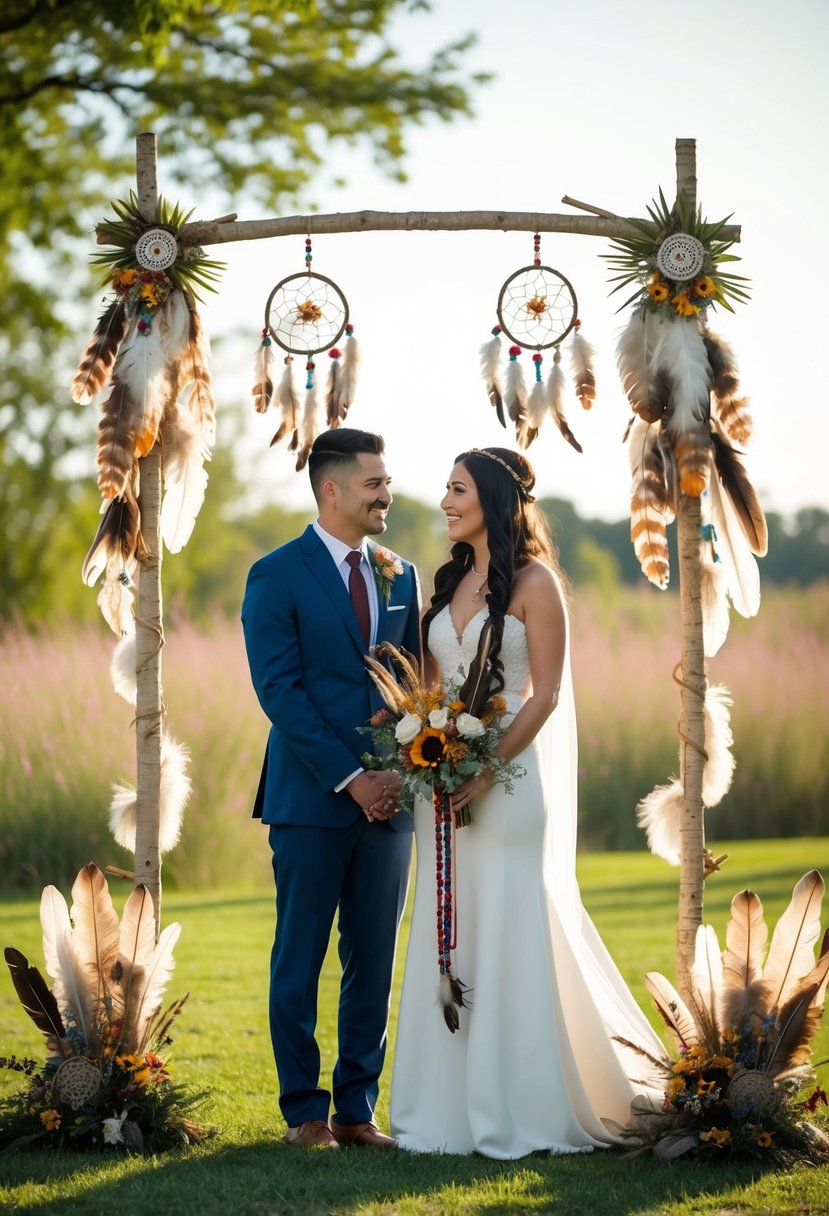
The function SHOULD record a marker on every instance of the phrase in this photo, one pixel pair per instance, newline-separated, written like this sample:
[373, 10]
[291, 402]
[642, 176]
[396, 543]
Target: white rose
[438, 718]
[469, 726]
[408, 728]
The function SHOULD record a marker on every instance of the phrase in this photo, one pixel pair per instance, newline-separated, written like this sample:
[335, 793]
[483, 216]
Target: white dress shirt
[339, 552]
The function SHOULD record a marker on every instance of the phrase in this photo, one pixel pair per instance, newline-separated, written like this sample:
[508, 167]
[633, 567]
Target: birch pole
[149, 632]
[692, 718]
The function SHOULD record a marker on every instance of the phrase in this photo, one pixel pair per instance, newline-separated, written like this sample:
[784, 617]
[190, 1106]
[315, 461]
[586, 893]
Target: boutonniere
[387, 566]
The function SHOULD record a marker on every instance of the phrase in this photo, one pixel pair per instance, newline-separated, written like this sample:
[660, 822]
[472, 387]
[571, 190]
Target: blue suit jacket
[306, 658]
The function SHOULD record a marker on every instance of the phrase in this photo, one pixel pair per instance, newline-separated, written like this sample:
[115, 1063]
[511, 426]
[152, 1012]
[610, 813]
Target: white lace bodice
[453, 653]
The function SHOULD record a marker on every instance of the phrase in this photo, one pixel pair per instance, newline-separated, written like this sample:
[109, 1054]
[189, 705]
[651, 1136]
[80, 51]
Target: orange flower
[705, 1087]
[763, 1137]
[704, 287]
[428, 748]
[682, 304]
[50, 1120]
[454, 750]
[124, 278]
[720, 1135]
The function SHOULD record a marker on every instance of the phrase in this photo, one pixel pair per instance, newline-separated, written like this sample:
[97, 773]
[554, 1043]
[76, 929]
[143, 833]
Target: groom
[312, 609]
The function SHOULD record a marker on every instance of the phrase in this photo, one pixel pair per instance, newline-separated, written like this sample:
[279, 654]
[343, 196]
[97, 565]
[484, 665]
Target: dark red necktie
[359, 595]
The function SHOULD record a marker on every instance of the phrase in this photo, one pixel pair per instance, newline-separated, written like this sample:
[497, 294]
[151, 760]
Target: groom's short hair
[336, 451]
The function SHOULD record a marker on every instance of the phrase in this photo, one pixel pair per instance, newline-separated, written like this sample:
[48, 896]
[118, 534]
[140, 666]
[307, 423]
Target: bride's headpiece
[522, 489]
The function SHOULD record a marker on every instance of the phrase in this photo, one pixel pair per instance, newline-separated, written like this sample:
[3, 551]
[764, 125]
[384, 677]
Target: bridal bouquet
[437, 737]
[431, 736]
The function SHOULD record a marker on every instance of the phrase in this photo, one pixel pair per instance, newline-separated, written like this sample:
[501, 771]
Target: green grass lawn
[222, 1042]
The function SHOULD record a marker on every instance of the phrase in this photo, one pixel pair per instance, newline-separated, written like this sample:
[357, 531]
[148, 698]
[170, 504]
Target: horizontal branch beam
[220, 232]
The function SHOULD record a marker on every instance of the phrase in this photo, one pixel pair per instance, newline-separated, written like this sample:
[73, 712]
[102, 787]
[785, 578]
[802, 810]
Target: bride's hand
[473, 787]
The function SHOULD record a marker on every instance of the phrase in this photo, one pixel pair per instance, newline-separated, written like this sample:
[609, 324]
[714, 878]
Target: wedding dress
[533, 1065]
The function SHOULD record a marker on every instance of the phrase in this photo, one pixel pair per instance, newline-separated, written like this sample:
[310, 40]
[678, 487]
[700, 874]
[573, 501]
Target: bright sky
[588, 101]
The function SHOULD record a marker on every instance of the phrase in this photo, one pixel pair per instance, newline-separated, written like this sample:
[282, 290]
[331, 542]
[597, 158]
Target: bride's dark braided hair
[516, 531]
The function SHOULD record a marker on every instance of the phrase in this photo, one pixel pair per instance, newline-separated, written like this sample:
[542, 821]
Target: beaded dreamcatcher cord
[305, 314]
[537, 309]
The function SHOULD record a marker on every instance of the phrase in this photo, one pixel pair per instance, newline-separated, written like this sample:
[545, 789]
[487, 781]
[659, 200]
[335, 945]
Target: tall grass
[65, 736]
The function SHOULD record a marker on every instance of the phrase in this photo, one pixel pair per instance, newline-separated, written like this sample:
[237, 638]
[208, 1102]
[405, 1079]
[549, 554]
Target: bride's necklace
[476, 595]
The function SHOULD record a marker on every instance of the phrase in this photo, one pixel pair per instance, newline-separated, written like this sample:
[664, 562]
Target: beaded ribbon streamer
[451, 991]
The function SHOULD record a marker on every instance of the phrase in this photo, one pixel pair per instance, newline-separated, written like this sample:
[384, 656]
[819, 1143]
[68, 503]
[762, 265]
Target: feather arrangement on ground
[740, 1081]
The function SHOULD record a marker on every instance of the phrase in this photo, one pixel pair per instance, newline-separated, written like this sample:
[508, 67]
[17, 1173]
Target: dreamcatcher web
[537, 307]
[306, 313]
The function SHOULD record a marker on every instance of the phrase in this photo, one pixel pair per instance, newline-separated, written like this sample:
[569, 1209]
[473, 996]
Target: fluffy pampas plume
[173, 796]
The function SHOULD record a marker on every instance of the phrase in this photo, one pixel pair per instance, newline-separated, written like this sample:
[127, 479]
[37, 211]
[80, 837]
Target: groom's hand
[377, 793]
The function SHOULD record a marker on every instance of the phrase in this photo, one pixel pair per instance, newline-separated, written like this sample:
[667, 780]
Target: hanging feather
[263, 374]
[791, 953]
[555, 394]
[38, 1001]
[174, 793]
[194, 373]
[739, 568]
[741, 494]
[144, 369]
[348, 373]
[118, 537]
[680, 356]
[311, 425]
[115, 599]
[515, 390]
[451, 998]
[122, 669]
[491, 372]
[659, 814]
[530, 425]
[474, 691]
[714, 599]
[98, 358]
[673, 1009]
[730, 410]
[789, 1043]
[652, 500]
[718, 770]
[185, 478]
[582, 359]
[646, 390]
[288, 402]
[332, 412]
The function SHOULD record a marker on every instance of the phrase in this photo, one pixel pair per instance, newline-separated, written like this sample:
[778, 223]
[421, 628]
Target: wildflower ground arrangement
[742, 1083]
[107, 1080]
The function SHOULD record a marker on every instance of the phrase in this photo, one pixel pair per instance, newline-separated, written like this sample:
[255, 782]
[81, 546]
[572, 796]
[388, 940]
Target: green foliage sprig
[635, 260]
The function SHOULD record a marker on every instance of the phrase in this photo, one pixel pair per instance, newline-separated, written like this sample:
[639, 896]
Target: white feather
[143, 367]
[348, 376]
[536, 409]
[659, 814]
[185, 481]
[264, 373]
[69, 988]
[174, 792]
[716, 616]
[491, 369]
[122, 668]
[582, 362]
[515, 391]
[740, 570]
[680, 354]
[719, 767]
[634, 356]
[707, 971]
[150, 983]
[115, 599]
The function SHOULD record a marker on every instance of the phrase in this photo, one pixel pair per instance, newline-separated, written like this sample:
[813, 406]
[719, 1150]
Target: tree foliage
[242, 94]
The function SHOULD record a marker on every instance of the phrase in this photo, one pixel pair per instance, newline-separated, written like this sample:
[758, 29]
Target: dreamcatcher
[306, 314]
[537, 309]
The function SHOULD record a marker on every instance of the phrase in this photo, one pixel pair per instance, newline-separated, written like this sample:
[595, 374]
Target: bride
[534, 1064]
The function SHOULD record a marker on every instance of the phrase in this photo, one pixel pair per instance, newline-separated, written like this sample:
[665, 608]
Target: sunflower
[704, 287]
[657, 290]
[682, 304]
[763, 1138]
[428, 748]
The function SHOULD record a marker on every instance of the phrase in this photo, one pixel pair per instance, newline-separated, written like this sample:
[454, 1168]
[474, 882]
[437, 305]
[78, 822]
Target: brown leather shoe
[314, 1134]
[363, 1135]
